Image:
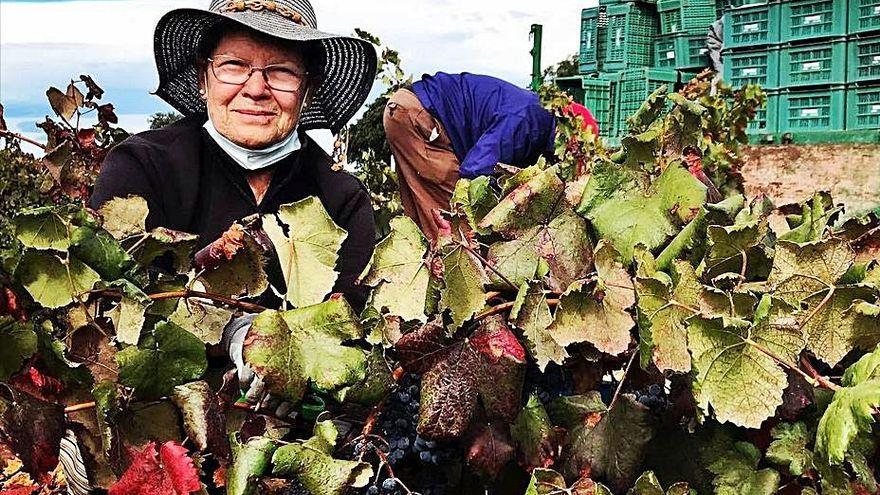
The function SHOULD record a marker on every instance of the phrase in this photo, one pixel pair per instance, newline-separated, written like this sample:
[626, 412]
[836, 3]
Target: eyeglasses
[231, 70]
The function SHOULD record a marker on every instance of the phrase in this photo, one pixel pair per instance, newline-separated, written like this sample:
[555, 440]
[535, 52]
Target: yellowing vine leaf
[664, 308]
[531, 314]
[399, 273]
[54, 282]
[530, 204]
[732, 356]
[463, 294]
[125, 217]
[598, 317]
[43, 228]
[287, 349]
[307, 243]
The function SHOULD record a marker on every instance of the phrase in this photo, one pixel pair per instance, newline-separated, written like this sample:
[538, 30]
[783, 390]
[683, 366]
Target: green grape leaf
[627, 210]
[647, 484]
[736, 472]
[719, 303]
[171, 357]
[204, 321]
[737, 249]
[244, 275]
[376, 384]
[249, 461]
[517, 259]
[530, 204]
[690, 239]
[287, 349]
[125, 217]
[801, 270]
[475, 199]
[531, 314]
[569, 411]
[731, 356]
[613, 448]
[650, 109]
[52, 281]
[565, 246]
[43, 228]
[463, 294]
[19, 343]
[852, 408]
[817, 214]
[534, 437]
[599, 317]
[307, 242]
[833, 327]
[102, 252]
[663, 310]
[398, 271]
[789, 447]
[161, 242]
[130, 314]
[641, 147]
[312, 464]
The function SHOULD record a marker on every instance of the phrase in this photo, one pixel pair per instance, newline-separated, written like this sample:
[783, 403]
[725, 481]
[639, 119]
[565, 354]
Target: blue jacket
[488, 120]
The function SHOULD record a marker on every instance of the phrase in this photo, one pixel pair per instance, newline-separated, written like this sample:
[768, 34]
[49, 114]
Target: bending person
[448, 126]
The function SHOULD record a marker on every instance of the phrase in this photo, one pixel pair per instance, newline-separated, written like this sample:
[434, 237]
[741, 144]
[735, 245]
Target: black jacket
[192, 185]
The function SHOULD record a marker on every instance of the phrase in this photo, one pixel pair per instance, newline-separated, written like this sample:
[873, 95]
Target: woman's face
[253, 115]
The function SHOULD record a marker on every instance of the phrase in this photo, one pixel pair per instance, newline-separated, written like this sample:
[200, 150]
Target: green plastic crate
[819, 109]
[634, 86]
[863, 107]
[864, 59]
[759, 66]
[678, 16]
[766, 119]
[753, 26]
[588, 56]
[595, 93]
[680, 51]
[630, 36]
[864, 16]
[813, 64]
[811, 19]
[736, 4]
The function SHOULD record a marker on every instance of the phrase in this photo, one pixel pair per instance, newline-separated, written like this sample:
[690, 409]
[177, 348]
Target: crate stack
[630, 48]
[818, 60]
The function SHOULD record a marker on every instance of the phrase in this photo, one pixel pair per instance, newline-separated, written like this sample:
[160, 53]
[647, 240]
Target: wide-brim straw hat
[349, 63]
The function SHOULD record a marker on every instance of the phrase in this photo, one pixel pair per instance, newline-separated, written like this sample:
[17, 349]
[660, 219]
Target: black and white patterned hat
[349, 63]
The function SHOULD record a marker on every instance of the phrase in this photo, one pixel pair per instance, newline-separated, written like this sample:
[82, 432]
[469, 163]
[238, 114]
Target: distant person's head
[260, 69]
[588, 122]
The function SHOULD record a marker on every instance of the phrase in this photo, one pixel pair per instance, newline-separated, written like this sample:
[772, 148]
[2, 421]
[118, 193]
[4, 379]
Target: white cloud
[42, 44]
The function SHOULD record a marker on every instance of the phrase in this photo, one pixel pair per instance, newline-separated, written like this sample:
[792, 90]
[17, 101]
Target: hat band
[260, 5]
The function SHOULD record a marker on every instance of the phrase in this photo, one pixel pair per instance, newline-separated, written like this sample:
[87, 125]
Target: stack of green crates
[629, 48]
[818, 60]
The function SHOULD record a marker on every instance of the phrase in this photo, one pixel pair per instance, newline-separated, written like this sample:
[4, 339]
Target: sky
[47, 42]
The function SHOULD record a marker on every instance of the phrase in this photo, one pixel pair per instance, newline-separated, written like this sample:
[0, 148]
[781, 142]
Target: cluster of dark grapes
[554, 382]
[653, 397]
[406, 451]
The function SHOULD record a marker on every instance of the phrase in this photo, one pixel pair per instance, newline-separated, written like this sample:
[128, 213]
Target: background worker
[448, 126]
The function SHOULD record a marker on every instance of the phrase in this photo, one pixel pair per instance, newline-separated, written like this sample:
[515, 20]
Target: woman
[249, 77]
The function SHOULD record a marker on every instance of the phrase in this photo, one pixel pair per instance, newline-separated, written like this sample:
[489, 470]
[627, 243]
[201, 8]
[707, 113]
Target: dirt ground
[790, 174]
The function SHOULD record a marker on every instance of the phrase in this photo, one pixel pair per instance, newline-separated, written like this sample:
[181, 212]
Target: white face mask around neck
[252, 160]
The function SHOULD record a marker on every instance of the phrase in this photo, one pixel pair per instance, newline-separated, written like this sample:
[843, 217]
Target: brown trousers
[427, 168]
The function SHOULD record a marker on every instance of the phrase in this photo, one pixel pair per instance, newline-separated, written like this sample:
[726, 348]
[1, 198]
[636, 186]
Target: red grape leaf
[490, 449]
[449, 394]
[170, 472]
[501, 371]
[419, 350]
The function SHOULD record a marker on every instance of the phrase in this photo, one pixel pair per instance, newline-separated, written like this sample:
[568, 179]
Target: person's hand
[250, 383]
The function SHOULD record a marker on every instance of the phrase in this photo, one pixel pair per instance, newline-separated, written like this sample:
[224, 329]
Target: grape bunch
[653, 397]
[399, 418]
[554, 382]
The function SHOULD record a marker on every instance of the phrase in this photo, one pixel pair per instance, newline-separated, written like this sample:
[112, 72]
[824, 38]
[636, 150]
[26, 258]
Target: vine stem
[821, 380]
[85, 406]
[632, 359]
[488, 265]
[6, 133]
[187, 294]
[501, 308]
